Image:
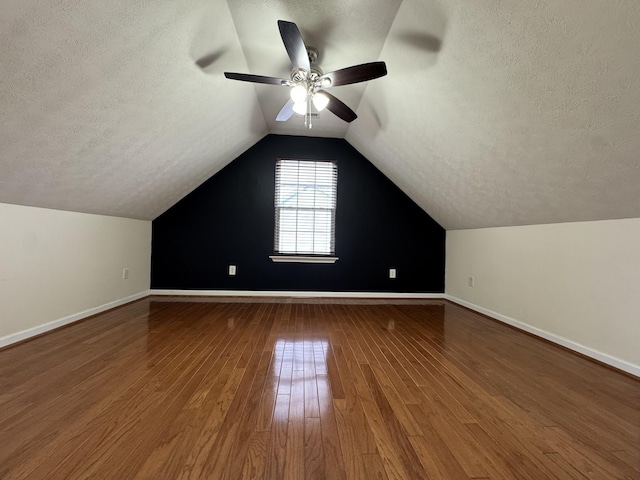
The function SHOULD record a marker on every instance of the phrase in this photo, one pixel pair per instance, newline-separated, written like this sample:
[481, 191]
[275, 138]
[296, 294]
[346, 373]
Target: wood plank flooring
[170, 388]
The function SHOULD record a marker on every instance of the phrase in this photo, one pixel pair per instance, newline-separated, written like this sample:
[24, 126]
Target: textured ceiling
[493, 113]
[105, 109]
[528, 114]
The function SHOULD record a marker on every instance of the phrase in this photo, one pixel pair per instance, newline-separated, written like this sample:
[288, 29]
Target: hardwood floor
[168, 388]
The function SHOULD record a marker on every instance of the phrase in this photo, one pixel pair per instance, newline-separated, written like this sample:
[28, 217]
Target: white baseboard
[565, 342]
[577, 347]
[32, 332]
[261, 293]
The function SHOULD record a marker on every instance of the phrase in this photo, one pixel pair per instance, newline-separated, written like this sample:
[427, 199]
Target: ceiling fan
[308, 82]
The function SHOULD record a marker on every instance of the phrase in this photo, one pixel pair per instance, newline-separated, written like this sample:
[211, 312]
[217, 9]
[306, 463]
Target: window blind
[305, 207]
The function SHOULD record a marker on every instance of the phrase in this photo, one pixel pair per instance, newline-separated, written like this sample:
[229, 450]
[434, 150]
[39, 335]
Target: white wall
[58, 266]
[577, 284]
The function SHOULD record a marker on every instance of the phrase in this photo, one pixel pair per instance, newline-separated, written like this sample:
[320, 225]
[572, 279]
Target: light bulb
[298, 94]
[320, 101]
[300, 108]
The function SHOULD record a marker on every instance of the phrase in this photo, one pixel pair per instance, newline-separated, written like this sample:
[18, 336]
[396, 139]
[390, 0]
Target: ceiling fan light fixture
[320, 101]
[300, 108]
[298, 94]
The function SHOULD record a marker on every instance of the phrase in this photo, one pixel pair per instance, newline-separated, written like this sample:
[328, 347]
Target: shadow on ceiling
[421, 41]
[211, 58]
[420, 28]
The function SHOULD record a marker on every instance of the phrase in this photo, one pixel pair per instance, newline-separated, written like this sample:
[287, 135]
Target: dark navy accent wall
[229, 220]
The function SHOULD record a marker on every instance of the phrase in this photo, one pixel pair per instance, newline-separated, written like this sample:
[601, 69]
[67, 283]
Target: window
[305, 210]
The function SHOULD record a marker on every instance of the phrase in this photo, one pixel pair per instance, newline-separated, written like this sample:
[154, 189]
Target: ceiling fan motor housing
[300, 75]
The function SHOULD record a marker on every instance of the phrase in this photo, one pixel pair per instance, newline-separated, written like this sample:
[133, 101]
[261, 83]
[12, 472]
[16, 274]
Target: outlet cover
[125, 273]
[392, 273]
[472, 281]
[232, 269]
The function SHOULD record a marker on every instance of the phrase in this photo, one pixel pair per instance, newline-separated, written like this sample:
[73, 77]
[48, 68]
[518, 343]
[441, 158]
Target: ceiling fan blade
[247, 77]
[286, 112]
[356, 74]
[294, 44]
[339, 109]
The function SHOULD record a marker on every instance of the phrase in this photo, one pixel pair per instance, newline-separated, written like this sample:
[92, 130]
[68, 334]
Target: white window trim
[302, 259]
[290, 257]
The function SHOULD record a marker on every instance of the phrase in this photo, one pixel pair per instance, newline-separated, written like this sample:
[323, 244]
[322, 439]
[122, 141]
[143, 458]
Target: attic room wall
[58, 266]
[573, 283]
[229, 220]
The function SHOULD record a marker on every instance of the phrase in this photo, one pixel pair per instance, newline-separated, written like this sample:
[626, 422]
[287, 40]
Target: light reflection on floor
[300, 369]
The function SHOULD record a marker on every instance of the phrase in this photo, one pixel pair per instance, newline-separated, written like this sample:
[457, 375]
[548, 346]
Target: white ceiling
[493, 113]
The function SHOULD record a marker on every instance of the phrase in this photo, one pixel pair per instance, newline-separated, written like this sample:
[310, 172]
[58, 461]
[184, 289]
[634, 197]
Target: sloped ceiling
[493, 113]
[528, 114]
[105, 108]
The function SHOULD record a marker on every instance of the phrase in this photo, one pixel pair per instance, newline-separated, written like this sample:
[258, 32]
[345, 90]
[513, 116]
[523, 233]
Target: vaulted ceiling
[493, 113]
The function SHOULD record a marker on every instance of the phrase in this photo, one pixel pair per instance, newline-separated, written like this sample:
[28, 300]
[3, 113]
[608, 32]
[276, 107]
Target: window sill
[302, 259]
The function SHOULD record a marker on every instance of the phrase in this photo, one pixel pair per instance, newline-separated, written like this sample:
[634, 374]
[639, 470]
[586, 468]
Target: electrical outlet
[125, 273]
[392, 273]
[232, 269]
[472, 281]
